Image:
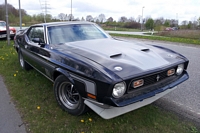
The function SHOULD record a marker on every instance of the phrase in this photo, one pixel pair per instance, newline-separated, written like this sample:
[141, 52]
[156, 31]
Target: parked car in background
[91, 69]
[175, 28]
[168, 29]
[171, 28]
[3, 30]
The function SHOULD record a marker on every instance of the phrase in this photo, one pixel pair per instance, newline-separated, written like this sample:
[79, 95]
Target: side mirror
[36, 40]
[40, 41]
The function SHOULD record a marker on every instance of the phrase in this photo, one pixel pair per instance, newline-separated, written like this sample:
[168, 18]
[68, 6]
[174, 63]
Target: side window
[36, 32]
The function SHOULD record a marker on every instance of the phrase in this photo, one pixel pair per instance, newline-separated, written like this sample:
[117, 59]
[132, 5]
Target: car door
[38, 53]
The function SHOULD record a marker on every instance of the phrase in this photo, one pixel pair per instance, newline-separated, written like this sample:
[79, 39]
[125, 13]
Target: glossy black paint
[83, 60]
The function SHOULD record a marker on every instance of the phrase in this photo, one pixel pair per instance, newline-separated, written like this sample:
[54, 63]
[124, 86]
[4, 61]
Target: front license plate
[3, 36]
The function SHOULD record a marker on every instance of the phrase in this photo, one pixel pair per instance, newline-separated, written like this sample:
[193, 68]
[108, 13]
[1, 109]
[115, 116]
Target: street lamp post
[71, 11]
[7, 24]
[142, 19]
[20, 16]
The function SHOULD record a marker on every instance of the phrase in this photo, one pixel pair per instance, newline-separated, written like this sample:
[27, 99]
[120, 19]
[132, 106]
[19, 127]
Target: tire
[68, 97]
[24, 65]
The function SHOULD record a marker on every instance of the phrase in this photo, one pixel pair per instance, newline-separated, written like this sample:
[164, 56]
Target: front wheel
[22, 62]
[68, 97]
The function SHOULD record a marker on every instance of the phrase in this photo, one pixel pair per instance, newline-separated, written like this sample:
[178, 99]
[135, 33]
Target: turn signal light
[170, 72]
[138, 83]
[91, 96]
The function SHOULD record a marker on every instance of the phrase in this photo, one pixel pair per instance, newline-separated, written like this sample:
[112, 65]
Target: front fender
[59, 71]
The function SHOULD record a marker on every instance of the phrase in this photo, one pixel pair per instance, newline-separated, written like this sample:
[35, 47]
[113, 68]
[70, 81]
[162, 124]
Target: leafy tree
[149, 24]
[189, 26]
[167, 23]
[132, 24]
[48, 17]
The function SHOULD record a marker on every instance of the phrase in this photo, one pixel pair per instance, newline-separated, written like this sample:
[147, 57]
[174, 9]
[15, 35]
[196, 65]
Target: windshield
[2, 24]
[74, 32]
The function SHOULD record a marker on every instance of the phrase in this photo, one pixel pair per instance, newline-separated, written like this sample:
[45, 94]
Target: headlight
[11, 32]
[119, 90]
[180, 69]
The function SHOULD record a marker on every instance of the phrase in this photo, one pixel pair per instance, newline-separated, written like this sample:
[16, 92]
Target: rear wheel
[68, 97]
[23, 63]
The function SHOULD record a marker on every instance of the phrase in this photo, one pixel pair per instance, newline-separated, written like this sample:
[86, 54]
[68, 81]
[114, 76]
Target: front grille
[155, 78]
[151, 79]
[2, 32]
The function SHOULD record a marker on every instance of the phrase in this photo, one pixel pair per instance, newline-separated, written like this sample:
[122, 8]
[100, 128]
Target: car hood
[3, 28]
[124, 58]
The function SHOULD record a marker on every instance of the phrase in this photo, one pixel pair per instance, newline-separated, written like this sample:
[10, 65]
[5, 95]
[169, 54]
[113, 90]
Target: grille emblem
[157, 78]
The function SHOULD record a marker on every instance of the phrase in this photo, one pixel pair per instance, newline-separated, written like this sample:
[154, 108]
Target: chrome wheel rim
[68, 95]
[21, 60]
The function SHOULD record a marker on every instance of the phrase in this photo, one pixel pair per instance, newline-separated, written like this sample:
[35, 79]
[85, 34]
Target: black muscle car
[91, 69]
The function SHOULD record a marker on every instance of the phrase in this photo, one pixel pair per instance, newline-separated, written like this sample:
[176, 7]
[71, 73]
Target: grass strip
[170, 39]
[33, 95]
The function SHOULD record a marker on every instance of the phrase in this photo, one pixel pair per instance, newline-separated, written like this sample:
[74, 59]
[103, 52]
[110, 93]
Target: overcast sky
[169, 9]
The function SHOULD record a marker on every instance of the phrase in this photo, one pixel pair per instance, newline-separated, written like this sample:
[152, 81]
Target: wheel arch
[60, 71]
[83, 86]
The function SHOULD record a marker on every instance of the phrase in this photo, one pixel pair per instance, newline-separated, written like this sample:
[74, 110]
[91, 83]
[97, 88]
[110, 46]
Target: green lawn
[161, 38]
[33, 96]
[121, 29]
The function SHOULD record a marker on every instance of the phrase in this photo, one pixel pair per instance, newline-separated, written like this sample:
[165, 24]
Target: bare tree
[70, 17]
[102, 18]
[138, 19]
[76, 19]
[61, 16]
[89, 18]
[123, 19]
[157, 22]
[110, 19]
[173, 22]
[185, 22]
[82, 19]
[97, 21]
[131, 19]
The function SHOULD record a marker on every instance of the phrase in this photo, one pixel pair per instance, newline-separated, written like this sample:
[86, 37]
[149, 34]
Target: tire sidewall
[80, 109]
[25, 65]
[19, 58]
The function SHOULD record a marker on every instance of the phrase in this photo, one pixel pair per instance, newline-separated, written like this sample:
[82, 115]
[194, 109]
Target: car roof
[63, 23]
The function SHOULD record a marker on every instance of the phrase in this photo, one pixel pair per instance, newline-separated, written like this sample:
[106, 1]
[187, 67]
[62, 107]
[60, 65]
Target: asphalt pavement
[10, 119]
[185, 100]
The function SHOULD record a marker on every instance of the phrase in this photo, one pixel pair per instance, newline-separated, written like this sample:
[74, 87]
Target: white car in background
[3, 30]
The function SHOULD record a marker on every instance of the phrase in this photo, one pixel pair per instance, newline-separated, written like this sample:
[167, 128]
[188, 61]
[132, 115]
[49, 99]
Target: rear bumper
[111, 112]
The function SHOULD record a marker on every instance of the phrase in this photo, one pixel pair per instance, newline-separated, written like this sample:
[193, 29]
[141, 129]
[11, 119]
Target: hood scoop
[145, 50]
[115, 55]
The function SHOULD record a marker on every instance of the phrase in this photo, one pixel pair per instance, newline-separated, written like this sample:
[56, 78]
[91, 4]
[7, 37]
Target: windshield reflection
[74, 32]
